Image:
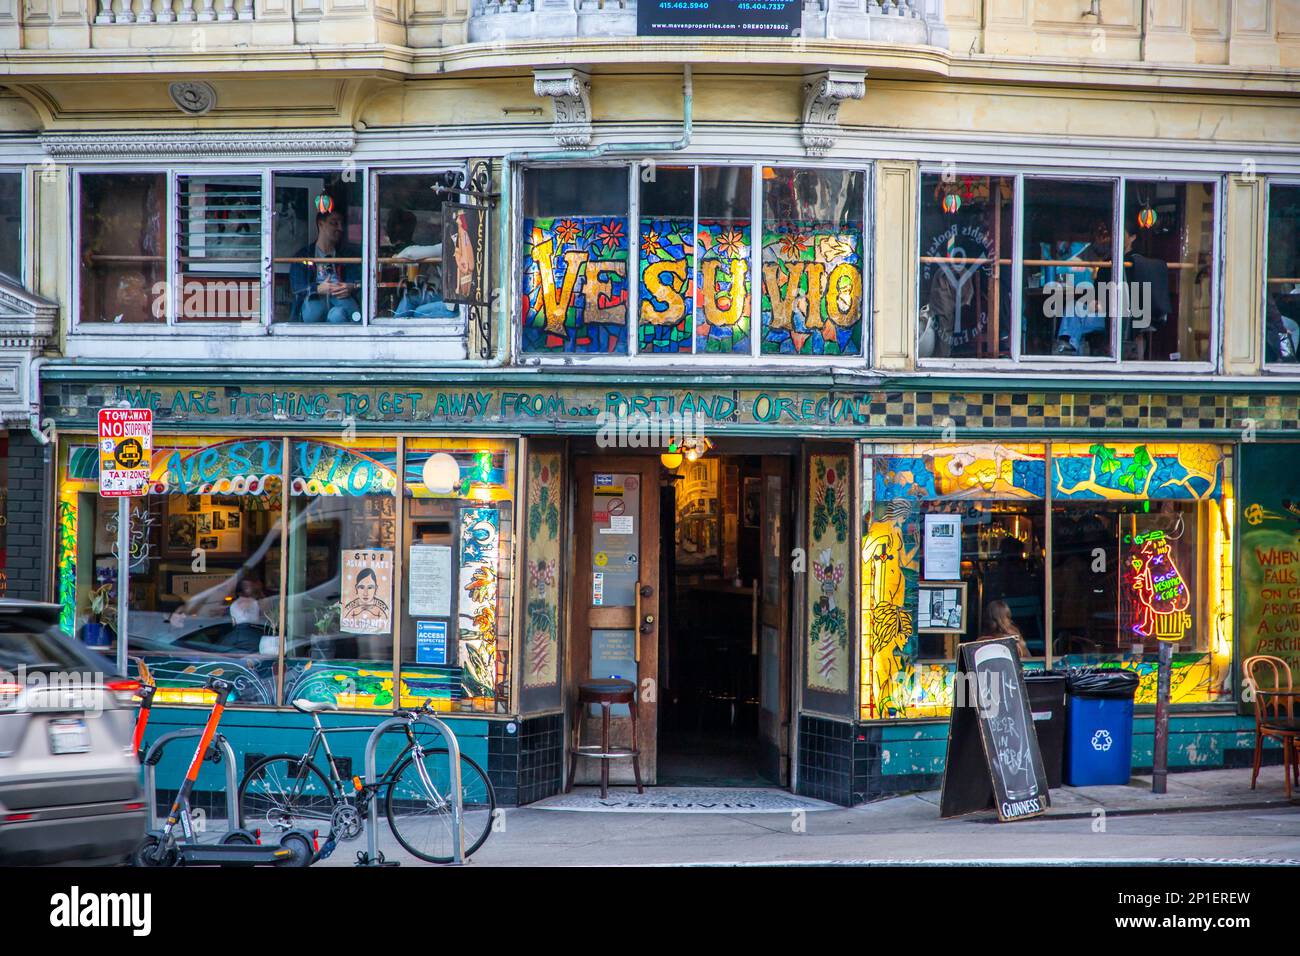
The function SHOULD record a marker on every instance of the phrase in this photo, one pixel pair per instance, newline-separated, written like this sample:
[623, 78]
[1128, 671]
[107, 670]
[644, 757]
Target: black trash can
[1099, 711]
[1046, 691]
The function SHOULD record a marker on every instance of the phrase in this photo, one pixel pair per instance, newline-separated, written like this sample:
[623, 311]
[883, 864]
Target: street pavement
[1207, 816]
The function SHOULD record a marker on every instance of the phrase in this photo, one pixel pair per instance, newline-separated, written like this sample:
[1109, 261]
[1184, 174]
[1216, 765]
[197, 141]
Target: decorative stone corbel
[822, 95]
[570, 94]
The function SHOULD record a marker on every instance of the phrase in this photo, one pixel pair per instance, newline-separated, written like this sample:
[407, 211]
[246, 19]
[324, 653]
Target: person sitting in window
[998, 624]
[325, 291]
[1078, 320]
[1147, 282]
[418, 293]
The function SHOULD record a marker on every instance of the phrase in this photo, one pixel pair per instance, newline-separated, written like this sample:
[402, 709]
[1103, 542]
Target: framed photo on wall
[941, 607]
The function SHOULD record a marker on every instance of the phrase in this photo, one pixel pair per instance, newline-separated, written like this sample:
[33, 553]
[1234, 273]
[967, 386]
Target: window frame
[1087, 364]
[24, 277]
[370, 316]
[515, 444]
[632, 358]
[1288, 369]
[264, 324]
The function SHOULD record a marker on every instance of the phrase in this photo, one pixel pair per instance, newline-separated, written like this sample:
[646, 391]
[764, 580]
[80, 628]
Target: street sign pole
[123, 577]
[1160, 753]
[125, 457]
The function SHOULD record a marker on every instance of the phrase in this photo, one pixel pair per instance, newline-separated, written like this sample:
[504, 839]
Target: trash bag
[1101, 683]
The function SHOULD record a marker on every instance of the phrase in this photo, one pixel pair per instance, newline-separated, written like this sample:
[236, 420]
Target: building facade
[492, 347]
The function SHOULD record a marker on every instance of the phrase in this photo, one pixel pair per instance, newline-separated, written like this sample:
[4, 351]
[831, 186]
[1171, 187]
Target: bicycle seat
[305, 706]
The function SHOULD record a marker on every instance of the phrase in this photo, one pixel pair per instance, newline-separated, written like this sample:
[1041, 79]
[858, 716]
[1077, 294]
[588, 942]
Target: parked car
[69, 781]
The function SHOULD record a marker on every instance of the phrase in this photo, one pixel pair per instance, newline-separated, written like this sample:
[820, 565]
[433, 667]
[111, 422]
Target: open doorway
[724, 655]
[685, 586]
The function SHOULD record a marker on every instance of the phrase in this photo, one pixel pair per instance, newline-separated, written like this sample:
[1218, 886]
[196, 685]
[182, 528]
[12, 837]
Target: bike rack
[453, 754]
[154, 755]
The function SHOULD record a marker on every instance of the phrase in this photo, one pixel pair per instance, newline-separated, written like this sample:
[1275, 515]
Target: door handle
[644, 623]
[754, 615]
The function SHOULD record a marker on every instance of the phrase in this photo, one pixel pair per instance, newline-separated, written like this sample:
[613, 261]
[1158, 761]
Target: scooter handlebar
[222, 688]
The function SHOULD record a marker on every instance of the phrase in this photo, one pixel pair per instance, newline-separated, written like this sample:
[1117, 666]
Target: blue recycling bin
[1099, 721]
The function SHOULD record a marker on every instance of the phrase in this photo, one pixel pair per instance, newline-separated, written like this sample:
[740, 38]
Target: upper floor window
[219, 247]
[11, 225]
[319, 226]
[1282, 282]
[1107, 269]
[407, 275]
[729, 260]
[287, 247]
[123, 247]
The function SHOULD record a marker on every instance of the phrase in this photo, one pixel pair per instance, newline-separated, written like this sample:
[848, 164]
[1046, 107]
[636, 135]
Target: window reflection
[1168, 292]
[123, 251]
[1068, 253]
[966, 241]
[1282, 288]
[408, 266]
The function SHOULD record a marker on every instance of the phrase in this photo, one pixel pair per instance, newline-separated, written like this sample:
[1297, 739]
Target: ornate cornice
[208, 144]
[570, 94]
[822, 95]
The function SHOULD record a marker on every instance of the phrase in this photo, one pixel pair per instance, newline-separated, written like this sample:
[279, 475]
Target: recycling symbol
[1101, 740]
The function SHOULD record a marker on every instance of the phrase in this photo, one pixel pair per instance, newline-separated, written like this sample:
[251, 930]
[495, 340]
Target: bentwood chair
[1269, 681]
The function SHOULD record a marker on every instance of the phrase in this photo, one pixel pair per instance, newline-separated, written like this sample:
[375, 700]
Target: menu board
[1004, 770]
[1268, 574]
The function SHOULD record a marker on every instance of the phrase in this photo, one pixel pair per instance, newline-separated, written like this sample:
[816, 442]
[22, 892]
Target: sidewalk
[1201, 790]
[1231, 823]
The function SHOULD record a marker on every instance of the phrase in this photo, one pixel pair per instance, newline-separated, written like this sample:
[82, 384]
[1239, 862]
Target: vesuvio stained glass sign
[771, 18]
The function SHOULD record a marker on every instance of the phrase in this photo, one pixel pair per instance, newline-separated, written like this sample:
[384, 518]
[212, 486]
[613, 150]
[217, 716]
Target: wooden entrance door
[774, 620]
[615, 598]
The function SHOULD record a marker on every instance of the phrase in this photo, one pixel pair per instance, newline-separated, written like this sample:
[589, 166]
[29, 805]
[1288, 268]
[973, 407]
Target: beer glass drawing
[1003, 709]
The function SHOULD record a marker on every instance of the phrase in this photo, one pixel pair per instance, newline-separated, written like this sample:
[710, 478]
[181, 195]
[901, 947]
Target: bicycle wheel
[283, 792]
[421, 821]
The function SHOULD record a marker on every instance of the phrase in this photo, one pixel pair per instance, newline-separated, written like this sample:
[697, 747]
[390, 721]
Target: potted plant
[98, 633]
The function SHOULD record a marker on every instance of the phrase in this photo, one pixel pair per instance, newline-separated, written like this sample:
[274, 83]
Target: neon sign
[1159, 590]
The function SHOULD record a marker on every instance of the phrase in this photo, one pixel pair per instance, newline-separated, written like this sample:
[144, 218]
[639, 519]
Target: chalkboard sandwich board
[1005, 769]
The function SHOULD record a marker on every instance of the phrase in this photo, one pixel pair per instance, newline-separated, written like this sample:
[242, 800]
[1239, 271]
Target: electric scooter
[145, 693]
[167, 847]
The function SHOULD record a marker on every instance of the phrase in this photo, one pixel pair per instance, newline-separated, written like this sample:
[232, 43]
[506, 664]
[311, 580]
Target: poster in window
[942, 547]
[464, 254]
[941, 607]
[429, 581]
[431, 642]
[367, 592]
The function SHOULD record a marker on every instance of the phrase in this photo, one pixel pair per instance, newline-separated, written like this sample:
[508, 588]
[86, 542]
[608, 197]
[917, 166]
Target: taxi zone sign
[125, 451]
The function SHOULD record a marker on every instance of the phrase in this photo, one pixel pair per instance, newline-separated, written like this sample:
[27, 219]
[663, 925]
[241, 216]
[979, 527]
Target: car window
[30, 642]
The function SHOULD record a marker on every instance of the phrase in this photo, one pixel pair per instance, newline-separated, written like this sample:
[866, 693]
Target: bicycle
[286, 792]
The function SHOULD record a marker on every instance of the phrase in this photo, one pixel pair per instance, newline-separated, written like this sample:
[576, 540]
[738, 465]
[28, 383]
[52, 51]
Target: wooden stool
[606, 693]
